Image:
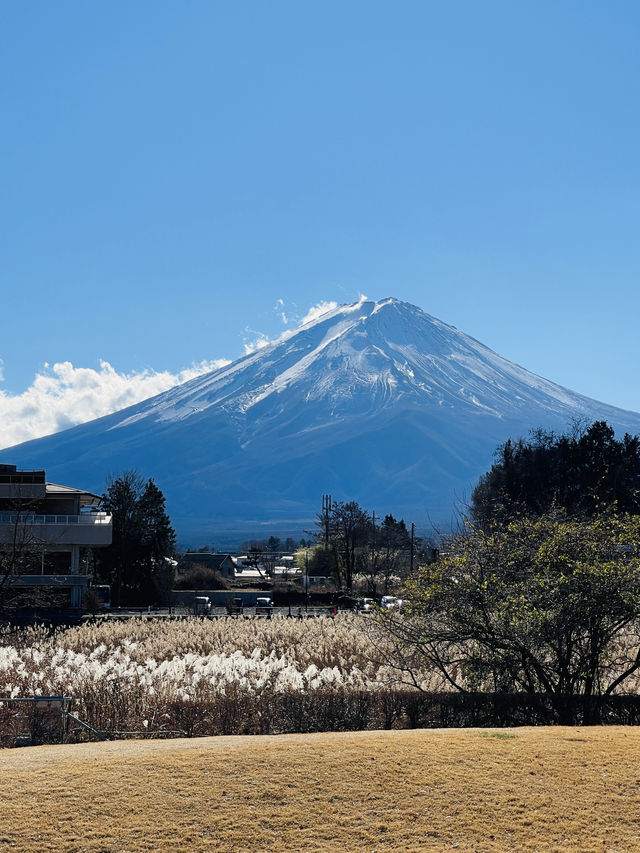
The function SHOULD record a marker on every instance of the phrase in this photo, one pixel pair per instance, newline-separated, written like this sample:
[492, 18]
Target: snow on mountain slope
[376, 401]
[361, 358]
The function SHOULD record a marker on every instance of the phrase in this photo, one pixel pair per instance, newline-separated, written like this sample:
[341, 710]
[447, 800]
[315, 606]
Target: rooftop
[86, 498]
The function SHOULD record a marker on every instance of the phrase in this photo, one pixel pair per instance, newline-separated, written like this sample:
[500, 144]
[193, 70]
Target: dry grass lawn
[470, 790]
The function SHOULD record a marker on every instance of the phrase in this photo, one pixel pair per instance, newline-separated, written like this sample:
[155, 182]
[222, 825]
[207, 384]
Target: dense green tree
[582, 472]
[274, 544]
[116, 564]
[316, 560]
[157, 545]
[548, 605]
[139, 562]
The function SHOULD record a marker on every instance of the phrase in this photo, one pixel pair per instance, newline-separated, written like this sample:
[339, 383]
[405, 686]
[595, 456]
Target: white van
[202, 605]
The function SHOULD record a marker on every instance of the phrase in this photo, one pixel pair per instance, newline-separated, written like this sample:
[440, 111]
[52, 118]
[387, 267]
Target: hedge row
[242, 712]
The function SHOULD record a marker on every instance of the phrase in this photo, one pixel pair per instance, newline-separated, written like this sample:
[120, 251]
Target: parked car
[202, 605]
[390, 602]
[264, 606]
[366, 605]
[234, 606]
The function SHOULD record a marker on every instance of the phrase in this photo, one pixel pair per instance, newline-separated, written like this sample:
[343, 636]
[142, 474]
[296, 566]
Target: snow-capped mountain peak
[371, 354]
[375, 401]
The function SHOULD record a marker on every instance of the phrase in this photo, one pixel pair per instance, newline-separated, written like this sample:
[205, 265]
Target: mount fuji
[376, 402]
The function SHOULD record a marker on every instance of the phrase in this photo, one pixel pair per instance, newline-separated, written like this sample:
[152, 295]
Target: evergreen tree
[138, 563]
[116, 564]
[394, 550]
[157, 544]
[274, 544]
[583, 473]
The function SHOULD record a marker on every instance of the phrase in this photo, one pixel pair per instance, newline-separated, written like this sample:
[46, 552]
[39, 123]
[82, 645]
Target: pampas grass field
[200, 677]
[542, 789]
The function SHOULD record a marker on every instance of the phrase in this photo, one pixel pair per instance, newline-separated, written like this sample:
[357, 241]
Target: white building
[43, 527]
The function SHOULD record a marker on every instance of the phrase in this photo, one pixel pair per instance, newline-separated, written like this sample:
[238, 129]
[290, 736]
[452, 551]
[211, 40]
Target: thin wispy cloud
[254, 340]
[280, 310]
[63, 396]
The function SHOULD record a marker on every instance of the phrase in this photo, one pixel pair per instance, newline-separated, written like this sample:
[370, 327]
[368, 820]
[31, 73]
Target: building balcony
[92, 529]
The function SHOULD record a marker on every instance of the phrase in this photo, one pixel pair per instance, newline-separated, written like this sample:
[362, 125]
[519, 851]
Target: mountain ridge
[375, 401]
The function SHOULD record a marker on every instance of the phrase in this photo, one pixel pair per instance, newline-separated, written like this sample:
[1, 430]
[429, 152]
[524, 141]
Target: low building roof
[206, 557]
[86, 498]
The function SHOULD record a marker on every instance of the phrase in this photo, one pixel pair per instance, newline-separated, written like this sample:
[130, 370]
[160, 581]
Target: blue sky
[176, 176]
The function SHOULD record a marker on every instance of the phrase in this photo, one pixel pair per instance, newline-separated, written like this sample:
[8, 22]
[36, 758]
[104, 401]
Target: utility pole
[413, 528]
[326, 509]
[374, 552]
[306, 580]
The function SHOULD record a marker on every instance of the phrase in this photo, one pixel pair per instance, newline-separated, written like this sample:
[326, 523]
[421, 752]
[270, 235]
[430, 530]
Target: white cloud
[63, 396]
[279, 309]
[259, 342]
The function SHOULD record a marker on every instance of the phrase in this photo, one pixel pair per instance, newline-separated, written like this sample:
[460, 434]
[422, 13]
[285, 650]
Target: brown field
[555, 789]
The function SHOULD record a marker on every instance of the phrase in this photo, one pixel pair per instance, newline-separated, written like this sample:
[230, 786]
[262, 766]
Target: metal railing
[93, 518]
[49, 703]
